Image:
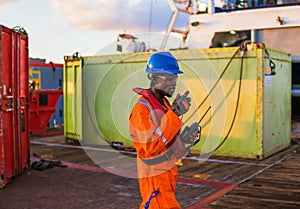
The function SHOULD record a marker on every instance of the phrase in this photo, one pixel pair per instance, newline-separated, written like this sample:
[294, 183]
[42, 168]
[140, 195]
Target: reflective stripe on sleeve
[164, 140]
[147, 105]
[158, 131]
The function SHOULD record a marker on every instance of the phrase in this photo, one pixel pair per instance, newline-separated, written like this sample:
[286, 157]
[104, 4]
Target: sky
[62, 27]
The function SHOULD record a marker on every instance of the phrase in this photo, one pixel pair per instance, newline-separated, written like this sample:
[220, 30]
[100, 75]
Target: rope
[154, 194]
[243, 48]
[237, 103]
[150, 16]
[214, 86]
[20, 29]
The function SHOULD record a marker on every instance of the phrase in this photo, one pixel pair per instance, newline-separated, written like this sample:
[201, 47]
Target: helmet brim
[162, 71]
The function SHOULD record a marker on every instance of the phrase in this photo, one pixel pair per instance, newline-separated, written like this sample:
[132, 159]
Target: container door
[22, 106]
[14, 110]
[72, 98]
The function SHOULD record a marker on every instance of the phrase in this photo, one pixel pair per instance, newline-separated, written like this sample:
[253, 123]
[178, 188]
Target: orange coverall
[152, 138]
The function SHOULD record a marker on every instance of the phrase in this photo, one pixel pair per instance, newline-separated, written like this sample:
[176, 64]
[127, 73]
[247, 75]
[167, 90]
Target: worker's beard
[165, 92]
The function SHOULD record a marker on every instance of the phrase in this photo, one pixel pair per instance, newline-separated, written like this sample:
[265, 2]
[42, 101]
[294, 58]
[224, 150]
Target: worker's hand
[190, 133]
[181, 104]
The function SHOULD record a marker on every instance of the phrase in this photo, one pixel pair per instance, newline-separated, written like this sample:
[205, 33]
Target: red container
[42, 106]
[14, 108]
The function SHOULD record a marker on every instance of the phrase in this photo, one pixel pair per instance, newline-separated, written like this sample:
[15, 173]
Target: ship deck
[218, 182]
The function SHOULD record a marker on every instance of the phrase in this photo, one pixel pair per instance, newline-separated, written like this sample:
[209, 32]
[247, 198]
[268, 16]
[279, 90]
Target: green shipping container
[250, 113]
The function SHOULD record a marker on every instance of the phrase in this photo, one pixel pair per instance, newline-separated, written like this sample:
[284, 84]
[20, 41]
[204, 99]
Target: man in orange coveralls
[155, 130]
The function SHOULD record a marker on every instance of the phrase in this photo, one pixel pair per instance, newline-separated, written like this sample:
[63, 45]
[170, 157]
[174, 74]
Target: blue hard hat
[162, 62]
